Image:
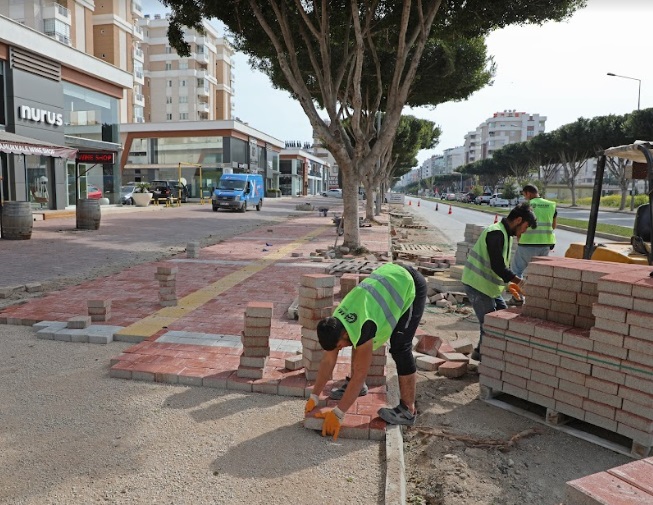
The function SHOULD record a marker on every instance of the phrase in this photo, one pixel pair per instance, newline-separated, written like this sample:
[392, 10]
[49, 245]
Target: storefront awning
[16, 144]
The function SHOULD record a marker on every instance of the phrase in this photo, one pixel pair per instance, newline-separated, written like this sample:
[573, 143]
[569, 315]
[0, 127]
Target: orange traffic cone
[410, 202]
[436, 206]
[419, 203]
[496, 219]
[450, 211]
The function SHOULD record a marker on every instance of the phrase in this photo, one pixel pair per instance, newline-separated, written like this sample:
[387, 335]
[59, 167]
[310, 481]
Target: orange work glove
[311, 403]
[514, 290]
[331, 425]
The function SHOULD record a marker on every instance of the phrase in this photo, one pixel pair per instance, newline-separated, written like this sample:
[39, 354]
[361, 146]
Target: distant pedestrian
[386, 306]
[540, 241]
[486, 272]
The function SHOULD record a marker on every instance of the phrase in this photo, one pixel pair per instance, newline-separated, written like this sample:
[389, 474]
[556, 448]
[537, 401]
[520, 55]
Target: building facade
[303, 172]
[197, 88]
[59, 117]
[199, 152]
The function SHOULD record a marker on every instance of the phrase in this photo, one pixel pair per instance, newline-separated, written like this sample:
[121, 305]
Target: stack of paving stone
[602, 375]
[435, 354]
[99, 310]
[315, 303]
[347, 283]
[193, 250]
[255, 340]
[167, 277]
[626, 484]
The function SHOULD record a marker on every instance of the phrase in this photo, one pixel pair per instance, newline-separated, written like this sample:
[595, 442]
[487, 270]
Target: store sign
[40, 115]
[107, 158]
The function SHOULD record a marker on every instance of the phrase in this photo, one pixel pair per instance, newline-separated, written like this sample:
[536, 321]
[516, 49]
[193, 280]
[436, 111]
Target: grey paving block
[46, 333]
[100, 339]
[67, 334]
[50, 324]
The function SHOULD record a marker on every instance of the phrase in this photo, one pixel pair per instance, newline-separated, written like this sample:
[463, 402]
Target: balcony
[64, 39]
[138, 55]
[201, 57]
[138, 32]
[57, 11]
[137, 8]
[139, 99]
[203, 107]
[139, 119]
[203, 90]
[139, 77]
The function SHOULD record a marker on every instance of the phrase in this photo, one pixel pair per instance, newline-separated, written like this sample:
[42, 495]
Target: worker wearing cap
[487, 269]
[540, 241]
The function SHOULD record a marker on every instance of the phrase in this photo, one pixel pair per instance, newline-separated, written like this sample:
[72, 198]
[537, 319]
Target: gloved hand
[311, 403]
[331, 425]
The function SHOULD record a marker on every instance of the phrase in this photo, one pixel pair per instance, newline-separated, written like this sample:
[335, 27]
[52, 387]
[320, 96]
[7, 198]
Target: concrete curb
[395, 468]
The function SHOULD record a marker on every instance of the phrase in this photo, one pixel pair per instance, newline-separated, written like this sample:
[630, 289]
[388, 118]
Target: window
[169, 83]
[168, 99]
[168, 117]
[183, 99]
[183, 65]
[168, 50]
[168, 66]
[200, 83]
[182, 83]
[183, 116]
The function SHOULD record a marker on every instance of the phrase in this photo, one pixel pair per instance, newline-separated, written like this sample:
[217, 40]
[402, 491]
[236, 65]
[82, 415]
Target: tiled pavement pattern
[197, 342]
[629, 484]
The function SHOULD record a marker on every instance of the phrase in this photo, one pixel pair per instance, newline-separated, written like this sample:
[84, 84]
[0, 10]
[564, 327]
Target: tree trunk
[369, 200]
[350, 203]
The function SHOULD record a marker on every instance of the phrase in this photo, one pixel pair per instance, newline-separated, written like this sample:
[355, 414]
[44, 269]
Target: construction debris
[489, 443]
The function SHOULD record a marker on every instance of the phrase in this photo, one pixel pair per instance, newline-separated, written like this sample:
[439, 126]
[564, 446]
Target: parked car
[483, 199]
[169, 189]
[517, 201]
[469, 197]
[334, 193]
[126, 194]
[93, 192]
[451, 197]
[498, 201]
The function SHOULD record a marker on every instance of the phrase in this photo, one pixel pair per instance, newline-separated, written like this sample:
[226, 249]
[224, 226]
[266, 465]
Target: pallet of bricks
[581, 346]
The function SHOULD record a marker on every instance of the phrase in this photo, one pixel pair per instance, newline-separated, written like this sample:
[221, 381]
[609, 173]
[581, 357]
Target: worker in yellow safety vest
[538, 242]
[487, 269]
[385, 307]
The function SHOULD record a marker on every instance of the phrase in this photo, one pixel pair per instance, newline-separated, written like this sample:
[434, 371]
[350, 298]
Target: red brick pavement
[134, 296]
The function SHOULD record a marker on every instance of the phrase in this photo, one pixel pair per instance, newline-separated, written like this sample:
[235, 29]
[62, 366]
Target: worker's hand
[311, 403]
[514, 291]
[332, 420]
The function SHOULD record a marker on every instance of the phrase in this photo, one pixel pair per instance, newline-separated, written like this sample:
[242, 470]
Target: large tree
[574, 142]
[355, 59]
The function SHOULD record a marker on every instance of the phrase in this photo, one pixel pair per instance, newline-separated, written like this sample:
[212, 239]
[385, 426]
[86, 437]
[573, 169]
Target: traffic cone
[410, 202]
[450, 211]
[496, 219]
[419, 203]
[436, 206]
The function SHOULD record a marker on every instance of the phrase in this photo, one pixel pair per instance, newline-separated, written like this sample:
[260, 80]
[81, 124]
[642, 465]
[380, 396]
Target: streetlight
[639, 92]
[461, 179]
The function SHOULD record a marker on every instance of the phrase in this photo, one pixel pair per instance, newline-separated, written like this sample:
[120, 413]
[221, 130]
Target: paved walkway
[197, 342]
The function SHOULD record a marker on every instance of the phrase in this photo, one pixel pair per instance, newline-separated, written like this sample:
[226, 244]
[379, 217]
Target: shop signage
[40, 115]
[107, 158]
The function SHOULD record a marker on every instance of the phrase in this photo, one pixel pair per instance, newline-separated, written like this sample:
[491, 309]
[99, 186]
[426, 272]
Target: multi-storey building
[503, 128]
[199, 87]
[454, 157]
[59, 106]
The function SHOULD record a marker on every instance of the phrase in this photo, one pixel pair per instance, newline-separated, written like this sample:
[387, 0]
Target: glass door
[39, 181]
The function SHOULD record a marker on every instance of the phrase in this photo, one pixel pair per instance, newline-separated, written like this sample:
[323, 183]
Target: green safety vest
[544, 211]
[383, 297]
[478, 273]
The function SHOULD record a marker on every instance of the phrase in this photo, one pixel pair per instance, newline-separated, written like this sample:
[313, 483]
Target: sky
[557, 70]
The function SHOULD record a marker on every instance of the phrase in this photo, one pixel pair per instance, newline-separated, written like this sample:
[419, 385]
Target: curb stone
[395, 478]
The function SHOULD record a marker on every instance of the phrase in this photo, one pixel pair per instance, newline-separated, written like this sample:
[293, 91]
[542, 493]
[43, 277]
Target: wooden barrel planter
[17, 220]
[88, 214]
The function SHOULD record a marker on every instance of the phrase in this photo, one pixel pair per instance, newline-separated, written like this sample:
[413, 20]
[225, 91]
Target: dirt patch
[458, 454]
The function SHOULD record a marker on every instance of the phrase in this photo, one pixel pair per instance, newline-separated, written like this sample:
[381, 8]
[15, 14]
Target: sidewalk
[198, 341]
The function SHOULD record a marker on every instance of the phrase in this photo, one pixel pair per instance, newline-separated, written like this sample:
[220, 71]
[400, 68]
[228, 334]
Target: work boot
[336, 393]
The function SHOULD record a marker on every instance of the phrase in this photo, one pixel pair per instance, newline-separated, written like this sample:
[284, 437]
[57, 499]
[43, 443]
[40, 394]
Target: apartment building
[197, 88]
[59, 109]
[503, 128]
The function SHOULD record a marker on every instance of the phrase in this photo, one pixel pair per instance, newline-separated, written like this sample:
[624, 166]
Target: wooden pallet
[414, 226]
[416, 249]
[561, 422]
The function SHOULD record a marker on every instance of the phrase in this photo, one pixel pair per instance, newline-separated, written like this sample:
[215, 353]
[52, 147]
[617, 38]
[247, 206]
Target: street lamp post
[639, 93]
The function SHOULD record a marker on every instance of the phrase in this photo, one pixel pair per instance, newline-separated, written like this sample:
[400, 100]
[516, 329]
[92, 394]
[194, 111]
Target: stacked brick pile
[564, 293]
[347, 283]
[629, 483]
[256, 340]
[602, 375]
[167, 277]
[193, 250]
[433, 353]
[315, 303]
[99, 310]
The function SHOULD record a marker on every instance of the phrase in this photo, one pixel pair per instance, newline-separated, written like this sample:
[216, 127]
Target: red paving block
[429, 344]
[637, 473]
[453, 369]
[605, 489]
